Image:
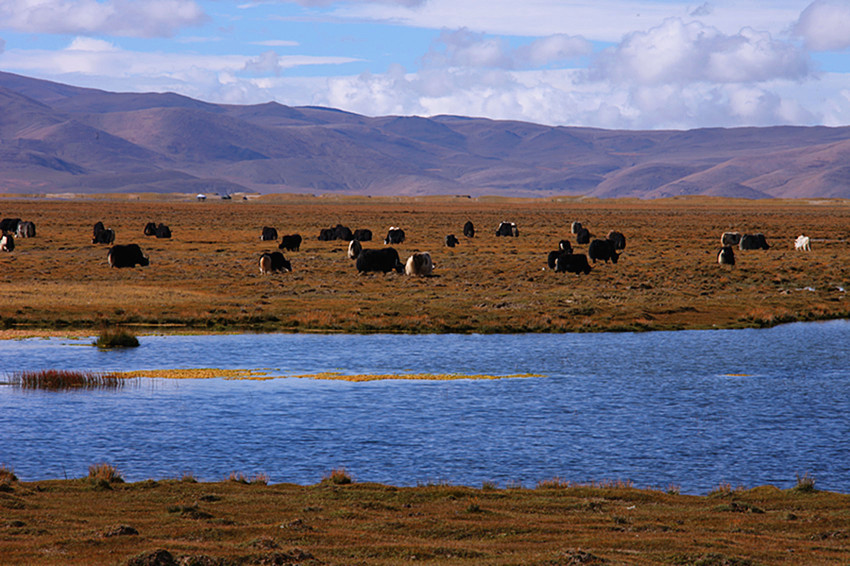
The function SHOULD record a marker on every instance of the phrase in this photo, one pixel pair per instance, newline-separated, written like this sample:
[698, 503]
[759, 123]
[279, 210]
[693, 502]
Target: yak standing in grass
[469, 229]
[104, 236]
[354, 249]
[618, 238]
[604, 250]
[419, 264]
[268, 234]
[162, 231]
[572, 263]
[383, 260]
[7, 242]
[753, 242]
[362, 235]
[272, 262]
[451, 240]
[583, 236]
[290, 242]
[395, 235]
[26, 229]
[726, 256]
[508, 229]
[562, 261]
[730, 239]
[126, 255]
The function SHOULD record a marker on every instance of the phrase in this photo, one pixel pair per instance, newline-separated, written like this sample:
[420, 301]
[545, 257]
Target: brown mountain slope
[60, 138]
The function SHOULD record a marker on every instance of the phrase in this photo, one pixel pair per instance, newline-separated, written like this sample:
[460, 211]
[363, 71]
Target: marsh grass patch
[65, 380]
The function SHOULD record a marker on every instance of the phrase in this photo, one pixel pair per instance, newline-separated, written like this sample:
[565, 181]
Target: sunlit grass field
[240, 520]
[206, 277]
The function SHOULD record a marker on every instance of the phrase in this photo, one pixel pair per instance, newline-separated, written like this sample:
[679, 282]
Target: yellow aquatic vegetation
[197, 373]
[419, 376]
[210, 373]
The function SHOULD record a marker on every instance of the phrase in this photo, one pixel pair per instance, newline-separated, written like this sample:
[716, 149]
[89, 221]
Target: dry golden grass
[242, 521]
[206, 277]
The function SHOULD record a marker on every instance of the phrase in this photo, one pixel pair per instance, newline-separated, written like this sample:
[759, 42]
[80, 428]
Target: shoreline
[145, 330]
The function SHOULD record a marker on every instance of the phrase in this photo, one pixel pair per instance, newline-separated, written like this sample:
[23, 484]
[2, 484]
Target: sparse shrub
[553, 483]
[104, 474]
[488, 486]
[7, 476]
[722, 490]
[188, 477]
[260, 479]
[237, 477]
[337, 476]
[805, 484]
[63, 380]
[474, 506]
[116, 338]
[674, 489]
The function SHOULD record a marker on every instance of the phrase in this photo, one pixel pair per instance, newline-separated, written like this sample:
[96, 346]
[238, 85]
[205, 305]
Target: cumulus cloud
[701, 11]
[132, 18]
[825, 25]
[464, 48]
[684, 52]
[267, 63]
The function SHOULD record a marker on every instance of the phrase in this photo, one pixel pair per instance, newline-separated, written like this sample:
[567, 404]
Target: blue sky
[600, 63]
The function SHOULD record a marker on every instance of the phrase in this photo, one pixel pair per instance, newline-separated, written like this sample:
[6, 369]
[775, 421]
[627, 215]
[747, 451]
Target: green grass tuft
[116, 338]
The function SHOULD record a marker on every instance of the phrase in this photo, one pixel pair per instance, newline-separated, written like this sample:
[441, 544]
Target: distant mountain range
[56, 138]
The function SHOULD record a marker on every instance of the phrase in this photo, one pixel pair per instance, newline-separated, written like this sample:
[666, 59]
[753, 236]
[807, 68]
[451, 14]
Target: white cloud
[680, 52]
[463, 48]
[132, 18]
[825, 25]
[267, 63]
[597, 20]
[98, 58]
[276, 43]
[553, 49]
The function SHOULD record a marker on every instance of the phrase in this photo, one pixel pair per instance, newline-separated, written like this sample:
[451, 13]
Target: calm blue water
[657, 408]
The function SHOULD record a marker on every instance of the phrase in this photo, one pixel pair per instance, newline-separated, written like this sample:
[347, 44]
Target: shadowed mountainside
[58, 138]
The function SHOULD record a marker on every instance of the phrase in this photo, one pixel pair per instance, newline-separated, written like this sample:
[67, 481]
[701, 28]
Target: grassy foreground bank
[206, 278]
[241, 521]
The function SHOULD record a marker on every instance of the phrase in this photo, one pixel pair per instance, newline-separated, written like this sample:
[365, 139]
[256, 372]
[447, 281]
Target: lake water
[692, 409]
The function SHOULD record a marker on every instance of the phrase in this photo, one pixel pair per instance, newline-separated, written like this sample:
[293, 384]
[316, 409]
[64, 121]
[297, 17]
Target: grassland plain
[205, 278]
[240, 521]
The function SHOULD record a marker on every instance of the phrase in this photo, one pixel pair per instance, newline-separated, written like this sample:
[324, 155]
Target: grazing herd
[385, 260]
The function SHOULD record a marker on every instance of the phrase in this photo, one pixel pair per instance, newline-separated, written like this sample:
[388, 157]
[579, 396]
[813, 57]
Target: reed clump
[103, 475]
[116, 338]
[805, 484]
[338, 476]
[65, 380]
